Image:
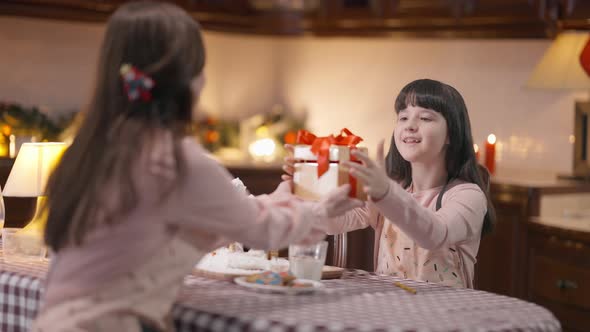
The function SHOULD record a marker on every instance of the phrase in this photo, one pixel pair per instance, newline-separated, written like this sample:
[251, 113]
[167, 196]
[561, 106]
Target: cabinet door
[517, 18]
[432, 18]
[497, 264]
[470, 18]
[509, 9]
[558, 272]
[75, 10]
[219, 6]
[347, 9]
[98, 5]
[574, 14]
[348, 17]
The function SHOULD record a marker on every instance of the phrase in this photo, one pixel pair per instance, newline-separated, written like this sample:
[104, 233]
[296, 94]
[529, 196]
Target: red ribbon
[320, 146]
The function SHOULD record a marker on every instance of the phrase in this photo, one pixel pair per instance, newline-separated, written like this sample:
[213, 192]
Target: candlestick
[476, 149]
[490, 161]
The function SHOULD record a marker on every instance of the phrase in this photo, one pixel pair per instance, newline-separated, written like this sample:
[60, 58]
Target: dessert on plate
[232, 259]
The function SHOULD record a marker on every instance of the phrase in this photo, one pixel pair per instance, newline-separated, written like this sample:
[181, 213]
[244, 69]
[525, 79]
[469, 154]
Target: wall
[338, 81]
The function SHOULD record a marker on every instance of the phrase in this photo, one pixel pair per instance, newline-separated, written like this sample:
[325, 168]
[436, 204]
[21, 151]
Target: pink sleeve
[207, 203]
[352, 220]
[460, 217]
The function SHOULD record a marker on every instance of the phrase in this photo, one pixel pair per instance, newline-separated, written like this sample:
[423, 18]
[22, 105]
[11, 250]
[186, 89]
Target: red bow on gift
[320, 146]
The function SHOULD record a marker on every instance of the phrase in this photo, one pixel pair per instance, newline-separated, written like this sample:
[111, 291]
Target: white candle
[12, 146]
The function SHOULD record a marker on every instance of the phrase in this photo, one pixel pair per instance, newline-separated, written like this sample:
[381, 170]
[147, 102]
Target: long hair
[162, 41]
[460, 157]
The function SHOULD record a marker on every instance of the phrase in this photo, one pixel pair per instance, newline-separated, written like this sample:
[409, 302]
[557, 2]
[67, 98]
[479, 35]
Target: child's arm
[460, 218]
[350, 221]
[206, 202]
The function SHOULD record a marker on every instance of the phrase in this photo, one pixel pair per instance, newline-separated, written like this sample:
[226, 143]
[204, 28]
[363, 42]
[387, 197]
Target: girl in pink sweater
[429, 202]
[136, 202]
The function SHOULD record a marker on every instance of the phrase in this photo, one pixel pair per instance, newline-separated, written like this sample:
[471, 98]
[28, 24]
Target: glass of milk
[307, 261]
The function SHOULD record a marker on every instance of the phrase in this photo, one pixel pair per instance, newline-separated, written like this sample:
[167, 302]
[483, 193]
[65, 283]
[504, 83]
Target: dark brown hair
[460, 157]
[162, 41]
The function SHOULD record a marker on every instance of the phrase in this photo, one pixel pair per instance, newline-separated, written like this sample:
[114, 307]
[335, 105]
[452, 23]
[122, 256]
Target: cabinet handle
[566, 284]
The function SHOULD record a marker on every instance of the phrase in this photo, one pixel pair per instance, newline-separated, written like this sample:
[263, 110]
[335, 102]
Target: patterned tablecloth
[359, 301]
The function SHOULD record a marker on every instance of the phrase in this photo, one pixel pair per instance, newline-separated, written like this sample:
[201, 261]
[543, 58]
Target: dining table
[357, 301]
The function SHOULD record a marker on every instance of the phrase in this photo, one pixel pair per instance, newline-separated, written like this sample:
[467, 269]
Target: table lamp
[562, 67]
[29, 175]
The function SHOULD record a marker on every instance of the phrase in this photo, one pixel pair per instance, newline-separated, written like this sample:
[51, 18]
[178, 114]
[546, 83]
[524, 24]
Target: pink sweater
[203, 212]
[414, 241]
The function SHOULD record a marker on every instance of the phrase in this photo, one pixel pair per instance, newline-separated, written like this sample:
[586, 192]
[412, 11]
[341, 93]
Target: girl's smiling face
[421, 135]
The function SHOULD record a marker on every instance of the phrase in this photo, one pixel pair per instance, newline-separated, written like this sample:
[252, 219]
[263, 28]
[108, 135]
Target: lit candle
[476, 149]
[490, 161]
[12, 146]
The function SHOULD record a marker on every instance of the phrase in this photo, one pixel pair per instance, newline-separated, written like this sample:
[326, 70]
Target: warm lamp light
[29, 175]
[562, 68]
[263, 149]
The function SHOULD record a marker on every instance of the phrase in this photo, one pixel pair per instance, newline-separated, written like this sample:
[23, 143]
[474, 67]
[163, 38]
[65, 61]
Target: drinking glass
[307, 261]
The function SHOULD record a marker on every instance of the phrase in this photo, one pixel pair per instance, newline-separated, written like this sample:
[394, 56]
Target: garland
[18, 120]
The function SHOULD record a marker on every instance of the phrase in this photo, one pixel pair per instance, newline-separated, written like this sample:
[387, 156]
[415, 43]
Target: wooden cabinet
[526, 258]
[76, 10]
[573, 14]
[502, 256]
[498, 259]
[431, 18]
[502, 18]
[558, 271]
[435, 18]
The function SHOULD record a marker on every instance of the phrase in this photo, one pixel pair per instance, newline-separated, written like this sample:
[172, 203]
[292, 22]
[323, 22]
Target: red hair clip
[137, 84]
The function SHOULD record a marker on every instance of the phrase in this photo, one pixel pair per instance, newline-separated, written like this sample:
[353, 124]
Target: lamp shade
[560, 67]
[32, 168]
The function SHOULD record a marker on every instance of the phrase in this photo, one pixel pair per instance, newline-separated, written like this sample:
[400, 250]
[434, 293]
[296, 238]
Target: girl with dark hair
[429, 200]
[135, 202]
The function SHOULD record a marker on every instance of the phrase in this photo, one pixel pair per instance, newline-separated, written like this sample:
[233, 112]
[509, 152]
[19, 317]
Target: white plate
[281, 289]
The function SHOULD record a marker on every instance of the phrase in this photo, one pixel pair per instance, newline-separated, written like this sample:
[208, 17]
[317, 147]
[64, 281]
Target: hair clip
[137, 84]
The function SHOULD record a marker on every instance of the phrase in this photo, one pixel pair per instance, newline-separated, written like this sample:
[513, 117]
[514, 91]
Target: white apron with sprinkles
[416, 241]
[401, 256]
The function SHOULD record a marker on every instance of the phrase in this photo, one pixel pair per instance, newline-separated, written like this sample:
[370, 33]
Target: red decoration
[490, 161]
[320, 146]
[290, 137]
[138, 85]
[585, 57]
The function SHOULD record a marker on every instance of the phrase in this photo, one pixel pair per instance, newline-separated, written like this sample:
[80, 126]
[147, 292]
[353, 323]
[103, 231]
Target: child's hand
[372, 174]
[289, 165]
[285, 187]
[337, 202]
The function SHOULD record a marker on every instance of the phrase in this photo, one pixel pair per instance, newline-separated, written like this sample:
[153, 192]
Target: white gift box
[309, 186]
